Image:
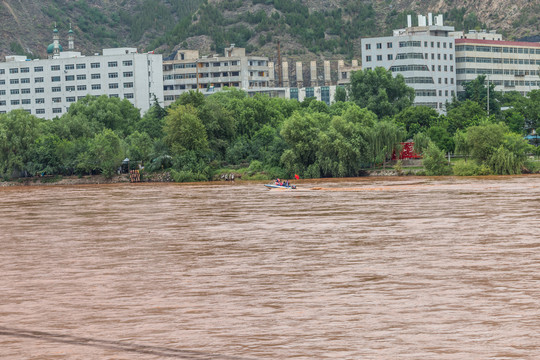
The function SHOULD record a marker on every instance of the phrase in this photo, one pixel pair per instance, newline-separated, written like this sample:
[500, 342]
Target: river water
[370, 268]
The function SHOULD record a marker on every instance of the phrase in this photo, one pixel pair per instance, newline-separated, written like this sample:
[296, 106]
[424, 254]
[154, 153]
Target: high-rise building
[423, 54]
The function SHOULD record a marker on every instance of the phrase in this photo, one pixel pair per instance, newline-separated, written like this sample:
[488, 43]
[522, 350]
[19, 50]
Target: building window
[2, 92]
[70, 99]
[81, 77]
[112, 64]
[55, 78]
[128, 85]
[368, 58]
[13, 81]
[379, 57]
[388, 45]
[128, 73]
[26, 101]
[81, 66]
[450, 45]
[127, 63]
[38, 69]
[95, 76]
[95, 65]
[39, 90]
[69, 67]
[432, 56]
[25, 91]
[55, 67]
[310, 92]
[128, 96]
[25, 81]
[113, 95]
[40, 111]
[379, 45]
[390, 57]
[2, 102]
[368, 46]
[56, 99]
[14, 71]
[70, 88]
[14, 91]
[15, 102]
[56, 89]
[57, 110]
[113, 86]
[40, 101]
[81, 87]
[70, 77]
[25, 70]
[96, 87]
[445, 67]
[38, 80]
[113, 75]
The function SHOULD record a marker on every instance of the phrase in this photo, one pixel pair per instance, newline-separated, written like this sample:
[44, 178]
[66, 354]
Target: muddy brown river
[370, 268]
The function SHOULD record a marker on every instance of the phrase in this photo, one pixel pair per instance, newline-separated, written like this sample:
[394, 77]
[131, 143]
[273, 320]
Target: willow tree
[384, 139]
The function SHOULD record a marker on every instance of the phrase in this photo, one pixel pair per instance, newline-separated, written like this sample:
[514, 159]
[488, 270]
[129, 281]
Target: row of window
[201, 75]
[430, 92]
[406, 56]
[95, 65]
[468, 59]
[506, 83]
[40, 79]
[499, 72]
[413, 43]
[497, 49]
[169, 67]
[127, 85]
[70, 99]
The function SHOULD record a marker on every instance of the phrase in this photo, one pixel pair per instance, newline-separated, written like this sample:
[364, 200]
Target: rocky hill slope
[304, 28]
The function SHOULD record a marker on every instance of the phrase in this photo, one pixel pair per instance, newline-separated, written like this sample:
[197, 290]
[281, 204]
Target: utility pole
[487, 77]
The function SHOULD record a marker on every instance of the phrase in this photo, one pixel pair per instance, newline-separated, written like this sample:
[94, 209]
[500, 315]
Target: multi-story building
[423, 54]
[510, 65]
[187, 71]
[46, 88]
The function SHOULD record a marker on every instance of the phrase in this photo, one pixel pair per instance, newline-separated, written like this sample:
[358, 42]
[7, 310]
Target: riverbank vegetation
[200, 137]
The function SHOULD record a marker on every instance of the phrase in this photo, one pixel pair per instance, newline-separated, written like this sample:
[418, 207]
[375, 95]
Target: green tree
[384, 138]
[421, 142]
[341, 94]
[104, 154]
[415, 119]
[18, 133]
[477, 91]
[184, 130]
[381, 92]
[435, 162]
[461, 115]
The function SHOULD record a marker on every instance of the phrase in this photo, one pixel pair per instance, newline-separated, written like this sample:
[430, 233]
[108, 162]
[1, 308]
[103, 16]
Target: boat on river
[282, 187]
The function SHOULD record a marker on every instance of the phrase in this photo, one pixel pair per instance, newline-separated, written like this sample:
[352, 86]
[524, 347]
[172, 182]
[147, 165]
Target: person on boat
[277, 181]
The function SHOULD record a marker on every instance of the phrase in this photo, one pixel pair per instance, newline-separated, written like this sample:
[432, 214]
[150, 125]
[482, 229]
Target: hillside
[305, 28]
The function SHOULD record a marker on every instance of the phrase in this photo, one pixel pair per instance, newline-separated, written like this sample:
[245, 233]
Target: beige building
[510, 65]
[188, 71]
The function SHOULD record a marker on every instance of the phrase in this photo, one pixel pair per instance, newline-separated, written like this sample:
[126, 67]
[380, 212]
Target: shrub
[435, 161]
[532, 166]
[465, 168]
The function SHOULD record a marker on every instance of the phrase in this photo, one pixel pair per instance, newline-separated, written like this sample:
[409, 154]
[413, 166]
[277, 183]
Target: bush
[187, 176]
[435, 161]
[399, 167]
[532, 166]
[465, 168]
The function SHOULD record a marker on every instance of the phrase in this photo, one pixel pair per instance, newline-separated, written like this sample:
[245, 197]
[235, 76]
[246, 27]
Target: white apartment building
[423, 54]
[187, 71]
[510, 65]
[46, 88]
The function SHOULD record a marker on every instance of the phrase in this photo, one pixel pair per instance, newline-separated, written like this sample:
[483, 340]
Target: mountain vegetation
[305, 28]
